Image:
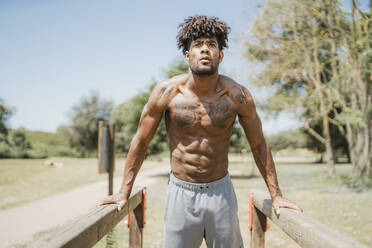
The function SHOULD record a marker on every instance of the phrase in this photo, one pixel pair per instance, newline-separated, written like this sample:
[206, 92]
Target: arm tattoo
[240, 98]
[164, 92]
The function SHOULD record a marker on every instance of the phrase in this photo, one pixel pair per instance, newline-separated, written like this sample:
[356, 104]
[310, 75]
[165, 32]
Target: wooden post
[106, 162]
[258, 228]
[111, 168]
[106, 151]
[136, 227]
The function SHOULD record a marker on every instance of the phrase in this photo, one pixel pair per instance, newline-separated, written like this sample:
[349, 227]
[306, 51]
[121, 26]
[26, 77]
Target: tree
[13, 143]
[354, 91]
[83, 131]
[339, 142]
[318, 58]
[126, 117]
[19, 144]
[5, 114]
[294, 42]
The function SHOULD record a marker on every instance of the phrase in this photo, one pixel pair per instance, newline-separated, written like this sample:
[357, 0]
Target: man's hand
[282, 202]
[118, 198]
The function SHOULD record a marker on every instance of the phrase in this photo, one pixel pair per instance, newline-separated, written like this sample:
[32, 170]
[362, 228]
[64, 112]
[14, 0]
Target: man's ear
[221, 54]
[187, 56]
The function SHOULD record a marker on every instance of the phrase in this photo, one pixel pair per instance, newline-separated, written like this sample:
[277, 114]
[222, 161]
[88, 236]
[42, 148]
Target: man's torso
[199, 129]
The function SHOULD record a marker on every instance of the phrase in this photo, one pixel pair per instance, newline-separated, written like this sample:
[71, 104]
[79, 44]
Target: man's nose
[204, 48]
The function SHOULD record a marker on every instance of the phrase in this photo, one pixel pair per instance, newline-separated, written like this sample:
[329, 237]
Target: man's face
[204, 56]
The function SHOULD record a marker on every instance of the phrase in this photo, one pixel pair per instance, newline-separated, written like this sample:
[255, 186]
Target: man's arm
[251, 123]
[148, 124]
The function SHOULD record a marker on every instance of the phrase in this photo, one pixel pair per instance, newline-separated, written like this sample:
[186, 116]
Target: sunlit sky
[54, 52]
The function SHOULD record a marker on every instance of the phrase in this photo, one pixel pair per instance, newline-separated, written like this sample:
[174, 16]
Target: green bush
[290, 139]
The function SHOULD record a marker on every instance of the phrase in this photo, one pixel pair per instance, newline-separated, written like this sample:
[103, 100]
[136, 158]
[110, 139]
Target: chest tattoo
[185, 114]
[219, 113]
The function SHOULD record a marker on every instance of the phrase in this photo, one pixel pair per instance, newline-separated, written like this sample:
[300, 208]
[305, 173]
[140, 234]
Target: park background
[64, 66]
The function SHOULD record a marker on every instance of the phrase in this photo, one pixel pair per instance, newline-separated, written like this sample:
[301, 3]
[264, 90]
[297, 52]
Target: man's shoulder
[164, 91]
[172, 84]
[238, 92]
[175, 81]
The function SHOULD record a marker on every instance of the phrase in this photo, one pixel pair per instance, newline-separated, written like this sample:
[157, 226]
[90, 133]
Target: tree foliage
[126, 117]
[13, 143]
[5, 114]
[82, 133]
[317, 60]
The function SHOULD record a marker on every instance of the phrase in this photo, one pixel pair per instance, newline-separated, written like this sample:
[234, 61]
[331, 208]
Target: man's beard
[205, 71]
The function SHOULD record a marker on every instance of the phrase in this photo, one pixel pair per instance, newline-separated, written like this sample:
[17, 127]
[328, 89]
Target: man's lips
[204, 59]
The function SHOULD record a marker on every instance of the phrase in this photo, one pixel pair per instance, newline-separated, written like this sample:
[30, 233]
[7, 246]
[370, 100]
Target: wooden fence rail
[304, 230]
[88, 229]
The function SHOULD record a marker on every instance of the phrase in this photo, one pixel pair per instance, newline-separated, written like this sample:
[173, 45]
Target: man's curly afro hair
[198, 26]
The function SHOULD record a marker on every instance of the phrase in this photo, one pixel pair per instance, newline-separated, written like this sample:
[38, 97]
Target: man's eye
[212, 44]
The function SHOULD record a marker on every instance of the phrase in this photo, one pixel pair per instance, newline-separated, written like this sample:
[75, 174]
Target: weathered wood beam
[88, 229]
[136, 228]
[304, 230]
[258, 228]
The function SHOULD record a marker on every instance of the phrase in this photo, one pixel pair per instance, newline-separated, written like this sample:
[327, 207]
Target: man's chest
[215, 114]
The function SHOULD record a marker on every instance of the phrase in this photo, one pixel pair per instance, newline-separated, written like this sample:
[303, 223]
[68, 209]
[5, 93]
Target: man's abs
[198, 160]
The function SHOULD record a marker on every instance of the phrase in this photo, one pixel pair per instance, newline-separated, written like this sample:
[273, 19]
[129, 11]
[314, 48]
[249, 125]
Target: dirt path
[19, 224]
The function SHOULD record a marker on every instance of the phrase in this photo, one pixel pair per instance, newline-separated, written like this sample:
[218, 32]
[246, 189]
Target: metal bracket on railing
[128, 220]
[143, 210]
[251, 206]
[143, 207]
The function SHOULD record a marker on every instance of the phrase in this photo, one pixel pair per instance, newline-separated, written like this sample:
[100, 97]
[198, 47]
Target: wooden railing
[304, 230]
[88, 229]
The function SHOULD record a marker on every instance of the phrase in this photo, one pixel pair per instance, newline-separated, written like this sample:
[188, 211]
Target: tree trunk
[369, 162]
[359, 139]
[329, 148]
[319, 89]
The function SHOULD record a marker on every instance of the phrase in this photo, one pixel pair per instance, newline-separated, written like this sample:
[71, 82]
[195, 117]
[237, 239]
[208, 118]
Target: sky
[54, 52]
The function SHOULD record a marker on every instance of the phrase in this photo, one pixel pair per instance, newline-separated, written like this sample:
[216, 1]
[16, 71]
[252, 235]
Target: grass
[26, 180]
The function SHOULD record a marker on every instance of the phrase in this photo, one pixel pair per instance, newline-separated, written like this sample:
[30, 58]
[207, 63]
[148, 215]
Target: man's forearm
[136, 155]
[264, 160]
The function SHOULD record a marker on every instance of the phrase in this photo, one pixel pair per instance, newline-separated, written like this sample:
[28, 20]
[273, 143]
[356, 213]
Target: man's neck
[203, 85]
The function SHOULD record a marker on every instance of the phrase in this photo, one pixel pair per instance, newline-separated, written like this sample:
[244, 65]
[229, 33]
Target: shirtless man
[200, 109]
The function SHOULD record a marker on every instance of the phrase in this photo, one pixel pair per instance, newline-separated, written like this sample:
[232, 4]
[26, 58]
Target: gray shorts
[194, 211]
